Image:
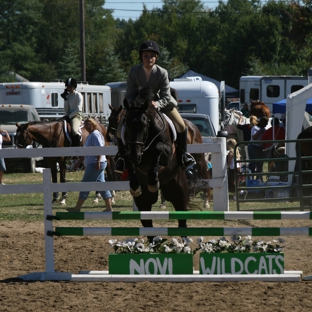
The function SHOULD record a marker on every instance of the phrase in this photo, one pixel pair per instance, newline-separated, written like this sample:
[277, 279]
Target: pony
[53, 134]
[259, 109]
[304, 149]
[193, 137]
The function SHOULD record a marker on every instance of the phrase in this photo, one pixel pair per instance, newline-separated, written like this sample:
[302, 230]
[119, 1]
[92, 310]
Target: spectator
[4, 136]
[96, 165]
[255, 150]
[230, 146]
[245, 110]
[246, 128]
[275, 132]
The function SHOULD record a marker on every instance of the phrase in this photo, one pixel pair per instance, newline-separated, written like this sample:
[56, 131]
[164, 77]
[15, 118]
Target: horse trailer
[46, 98]
[197, 96]
[268, 89]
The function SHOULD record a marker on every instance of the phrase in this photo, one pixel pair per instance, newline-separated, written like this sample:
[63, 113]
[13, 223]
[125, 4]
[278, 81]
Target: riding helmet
[149, 46]
[71, 82]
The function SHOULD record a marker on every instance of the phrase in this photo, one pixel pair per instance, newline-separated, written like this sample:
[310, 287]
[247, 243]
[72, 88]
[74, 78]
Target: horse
[259, 109]
[52, 134]
[193, 137]
[153, 157]
[304, 149]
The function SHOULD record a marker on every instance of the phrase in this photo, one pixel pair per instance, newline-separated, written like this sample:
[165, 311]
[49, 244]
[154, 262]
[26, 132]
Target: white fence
[219, 181]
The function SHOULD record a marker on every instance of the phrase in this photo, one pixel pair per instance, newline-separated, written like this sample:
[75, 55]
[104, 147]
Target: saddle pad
[172, 128]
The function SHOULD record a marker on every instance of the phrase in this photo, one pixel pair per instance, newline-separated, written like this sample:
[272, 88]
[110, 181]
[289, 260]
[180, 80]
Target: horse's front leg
[153, 180]
[135, 188]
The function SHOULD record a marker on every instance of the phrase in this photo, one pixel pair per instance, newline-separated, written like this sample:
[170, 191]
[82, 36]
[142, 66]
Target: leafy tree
[111, 71]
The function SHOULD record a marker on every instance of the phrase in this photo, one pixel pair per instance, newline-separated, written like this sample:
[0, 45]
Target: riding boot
[76, 140]
[120, 157]
[185, 159]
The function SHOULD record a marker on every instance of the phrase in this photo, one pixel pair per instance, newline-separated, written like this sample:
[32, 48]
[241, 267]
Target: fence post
[219, 169]
[48, 224]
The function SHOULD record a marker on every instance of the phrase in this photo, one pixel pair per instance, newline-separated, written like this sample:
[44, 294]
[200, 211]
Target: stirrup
[188, 161]
[120, 165]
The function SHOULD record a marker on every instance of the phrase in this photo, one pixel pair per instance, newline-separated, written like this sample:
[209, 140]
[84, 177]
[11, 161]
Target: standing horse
[193, 137]
[51, 134]
[304, 148]
[259, 109]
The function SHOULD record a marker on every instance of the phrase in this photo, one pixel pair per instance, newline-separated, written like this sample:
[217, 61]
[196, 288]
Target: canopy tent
[229, 91]
[280, 107]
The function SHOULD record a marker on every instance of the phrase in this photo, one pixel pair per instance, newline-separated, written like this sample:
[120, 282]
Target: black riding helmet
[71, 82]
[149, 46]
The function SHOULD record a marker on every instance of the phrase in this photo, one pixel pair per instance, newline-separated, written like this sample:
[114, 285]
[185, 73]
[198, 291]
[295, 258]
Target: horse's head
[137, 122]
[113, 121]
[23, 137]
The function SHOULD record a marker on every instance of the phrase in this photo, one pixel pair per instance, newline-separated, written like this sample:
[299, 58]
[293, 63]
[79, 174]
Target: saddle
[171, 125]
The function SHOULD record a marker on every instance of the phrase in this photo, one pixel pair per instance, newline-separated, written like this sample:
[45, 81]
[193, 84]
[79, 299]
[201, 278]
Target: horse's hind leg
[62, 164]
[52, 165]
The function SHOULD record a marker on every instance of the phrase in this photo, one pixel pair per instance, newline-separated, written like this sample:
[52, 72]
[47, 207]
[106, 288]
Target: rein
[159, 133]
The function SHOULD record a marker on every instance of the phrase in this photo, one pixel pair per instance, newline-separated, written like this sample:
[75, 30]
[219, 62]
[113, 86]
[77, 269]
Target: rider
[73, 108]
[148, 74]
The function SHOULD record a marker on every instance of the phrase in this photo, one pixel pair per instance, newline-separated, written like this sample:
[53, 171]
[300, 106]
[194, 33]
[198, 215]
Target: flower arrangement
[159, 245]
[239, 245]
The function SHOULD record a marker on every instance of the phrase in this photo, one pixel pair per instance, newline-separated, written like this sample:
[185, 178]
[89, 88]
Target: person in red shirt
[279, 133]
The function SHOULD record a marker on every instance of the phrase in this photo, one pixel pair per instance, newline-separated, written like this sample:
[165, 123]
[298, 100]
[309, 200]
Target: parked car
[202, 122]
[10, 114]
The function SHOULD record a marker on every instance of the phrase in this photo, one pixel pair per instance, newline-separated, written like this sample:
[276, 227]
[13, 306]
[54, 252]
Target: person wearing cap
[149, 74]
[73, 108]
[245, 110]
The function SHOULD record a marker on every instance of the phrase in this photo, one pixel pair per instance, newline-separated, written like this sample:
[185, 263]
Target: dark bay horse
[51, 134]
[152, 153]
[259, 109]
[193, 137]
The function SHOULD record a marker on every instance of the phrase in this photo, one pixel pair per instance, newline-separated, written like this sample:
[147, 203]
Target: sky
[126, 9]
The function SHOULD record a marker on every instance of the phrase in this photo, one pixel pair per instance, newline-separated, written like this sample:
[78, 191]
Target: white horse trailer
[46, 98]
[197, 96]
[268, 89]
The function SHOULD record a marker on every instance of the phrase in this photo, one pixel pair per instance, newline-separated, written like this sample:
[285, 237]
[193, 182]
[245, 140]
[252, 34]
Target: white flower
[199, 240]
[112, 242]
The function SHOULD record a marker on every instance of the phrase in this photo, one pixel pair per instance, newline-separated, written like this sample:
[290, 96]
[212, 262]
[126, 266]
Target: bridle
[145, 148]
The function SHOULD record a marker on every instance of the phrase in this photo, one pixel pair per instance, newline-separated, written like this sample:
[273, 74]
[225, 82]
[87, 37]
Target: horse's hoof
[96, 201]
[113, 200]
[162, 206]
[63, 202]
[206, 206]
[137, 192]
[153, 188]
